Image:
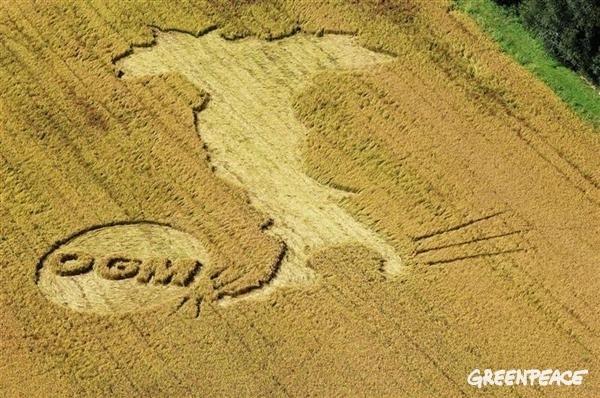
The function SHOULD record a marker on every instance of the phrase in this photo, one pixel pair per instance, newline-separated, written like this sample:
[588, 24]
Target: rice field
[286, 199]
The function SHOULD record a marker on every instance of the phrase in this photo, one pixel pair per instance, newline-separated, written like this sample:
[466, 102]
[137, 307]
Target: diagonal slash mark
[466, 242]
[480, 255]
[457, 227]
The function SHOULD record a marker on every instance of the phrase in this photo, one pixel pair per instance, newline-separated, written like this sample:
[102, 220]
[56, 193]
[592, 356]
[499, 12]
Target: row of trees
[570, 29]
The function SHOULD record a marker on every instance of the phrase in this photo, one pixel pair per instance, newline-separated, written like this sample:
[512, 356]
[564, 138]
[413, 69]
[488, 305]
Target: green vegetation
[570, 30]
[506, 28]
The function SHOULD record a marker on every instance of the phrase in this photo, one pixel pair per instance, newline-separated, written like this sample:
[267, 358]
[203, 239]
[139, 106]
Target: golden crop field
[286, 198]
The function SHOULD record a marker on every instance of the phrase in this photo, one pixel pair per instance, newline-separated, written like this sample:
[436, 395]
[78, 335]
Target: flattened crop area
[121, 268]
[253, 137]
[396, 202]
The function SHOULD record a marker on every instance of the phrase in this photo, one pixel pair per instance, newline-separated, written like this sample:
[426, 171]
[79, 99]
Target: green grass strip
[504, 26]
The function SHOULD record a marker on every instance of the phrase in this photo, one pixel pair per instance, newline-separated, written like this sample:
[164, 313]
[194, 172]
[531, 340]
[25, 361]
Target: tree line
[570, 30]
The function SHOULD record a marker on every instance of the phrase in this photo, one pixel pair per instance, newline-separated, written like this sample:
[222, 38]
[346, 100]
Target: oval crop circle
[121, 268]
